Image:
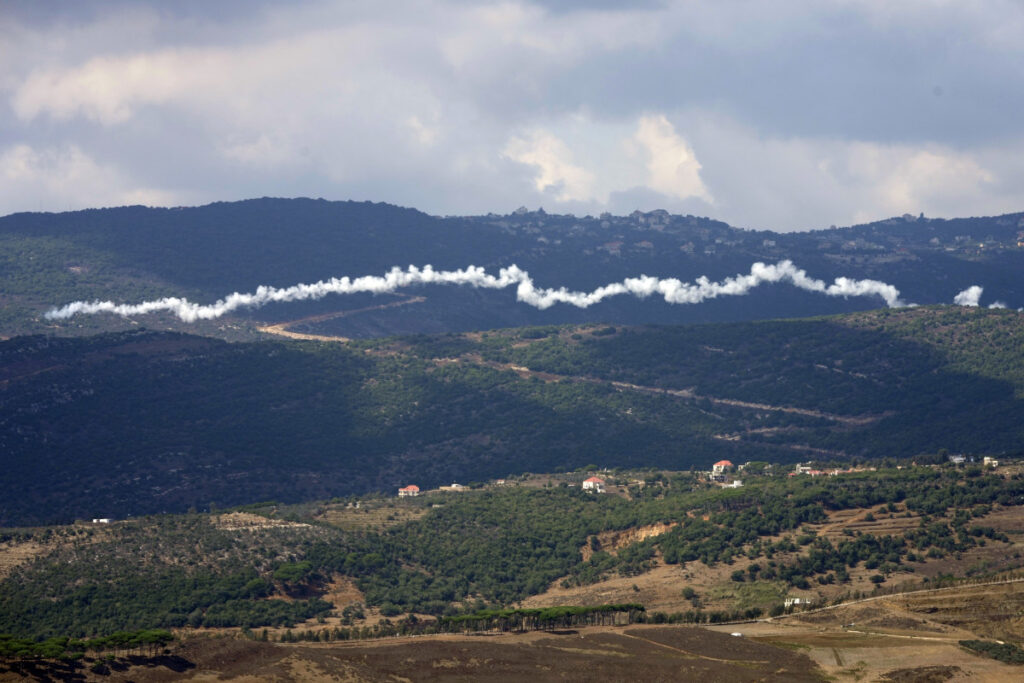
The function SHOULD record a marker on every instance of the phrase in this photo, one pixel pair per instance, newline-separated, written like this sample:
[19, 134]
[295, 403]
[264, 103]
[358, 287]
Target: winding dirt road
[281, 329]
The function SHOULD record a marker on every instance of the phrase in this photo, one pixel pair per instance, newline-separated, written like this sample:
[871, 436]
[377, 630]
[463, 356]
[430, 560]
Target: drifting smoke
[969, 297]
[671, 289]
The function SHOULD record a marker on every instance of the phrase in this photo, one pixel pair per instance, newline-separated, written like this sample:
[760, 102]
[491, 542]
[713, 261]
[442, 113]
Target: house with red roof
[721, 466]
[410, 491]
[594, 485]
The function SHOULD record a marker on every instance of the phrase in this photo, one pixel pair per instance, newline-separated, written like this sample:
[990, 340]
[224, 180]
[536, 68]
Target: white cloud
[263, 151]
[67, 178]
[106, 90]
[903, 179]
[554, 170]
[805, 182]
[672, 167]
[424, 133]
[804, 114]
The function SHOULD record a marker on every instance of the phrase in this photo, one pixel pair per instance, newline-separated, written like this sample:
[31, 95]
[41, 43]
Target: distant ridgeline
[145, 422]
[132, 254]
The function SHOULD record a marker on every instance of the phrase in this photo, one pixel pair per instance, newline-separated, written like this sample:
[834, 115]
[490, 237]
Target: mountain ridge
[204, 253]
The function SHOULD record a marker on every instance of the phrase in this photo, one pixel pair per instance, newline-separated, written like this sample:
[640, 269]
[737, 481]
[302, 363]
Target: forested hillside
[131, 254]
[456, 553]
[144, 422]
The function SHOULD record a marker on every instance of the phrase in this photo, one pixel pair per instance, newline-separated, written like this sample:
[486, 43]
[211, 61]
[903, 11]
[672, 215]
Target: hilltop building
[594, 485]
[721, 466]
[410, 491]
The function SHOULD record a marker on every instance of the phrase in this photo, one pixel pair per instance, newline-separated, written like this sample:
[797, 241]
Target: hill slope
[140, 422]
[131, 254]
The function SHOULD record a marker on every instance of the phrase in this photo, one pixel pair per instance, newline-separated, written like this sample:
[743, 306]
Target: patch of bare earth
[632, 654]
[341, 592]
[850, 655]
[613, 541]
[14, 554]
[371, 517]
[246, 521]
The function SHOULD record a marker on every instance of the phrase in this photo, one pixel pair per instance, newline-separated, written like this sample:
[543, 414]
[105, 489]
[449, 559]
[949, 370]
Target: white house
[989, 462]
[410, 491]
[593, 484]
[721, 466]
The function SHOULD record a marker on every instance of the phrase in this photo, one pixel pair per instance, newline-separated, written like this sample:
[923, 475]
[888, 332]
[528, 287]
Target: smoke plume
[969, 297]
[671, 290]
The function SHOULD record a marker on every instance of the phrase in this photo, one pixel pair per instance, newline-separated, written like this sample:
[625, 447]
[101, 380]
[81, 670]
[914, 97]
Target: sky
[785, 115]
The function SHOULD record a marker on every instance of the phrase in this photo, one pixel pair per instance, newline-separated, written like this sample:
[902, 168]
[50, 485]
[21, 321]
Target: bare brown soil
[854, 655]
[245, 521]
[342, 592]
[613, 654]
[284, 329]
[375, 516]
[14, 554]
[613, 541]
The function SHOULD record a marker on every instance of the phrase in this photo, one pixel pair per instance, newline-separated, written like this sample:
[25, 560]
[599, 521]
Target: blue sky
[785, 115]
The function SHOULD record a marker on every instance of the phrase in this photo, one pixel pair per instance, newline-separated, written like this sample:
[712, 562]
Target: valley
[598, 487]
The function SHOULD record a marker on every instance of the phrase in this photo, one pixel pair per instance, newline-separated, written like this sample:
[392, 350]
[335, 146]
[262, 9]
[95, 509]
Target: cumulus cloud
[67, 178]
[672, 167]
[793, 114]
[105, 90]
[552, 160]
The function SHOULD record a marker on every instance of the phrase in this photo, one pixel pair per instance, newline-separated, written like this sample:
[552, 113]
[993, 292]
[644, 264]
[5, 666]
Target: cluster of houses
[412, 490]
[591, 484]
[719, 472]
[961, 459]
[808, 470]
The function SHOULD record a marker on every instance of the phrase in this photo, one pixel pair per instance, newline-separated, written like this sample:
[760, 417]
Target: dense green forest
[482, 550]
[144, 422]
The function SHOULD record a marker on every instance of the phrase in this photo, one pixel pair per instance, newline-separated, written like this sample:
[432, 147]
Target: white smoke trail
[672, 290]
[969, 297]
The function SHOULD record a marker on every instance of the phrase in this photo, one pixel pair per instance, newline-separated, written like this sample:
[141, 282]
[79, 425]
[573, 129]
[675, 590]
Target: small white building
[721, 466]
[454, 487]
[101, 520]
[989, 462]
[594, 485]
[736, 483]
[410, 491]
